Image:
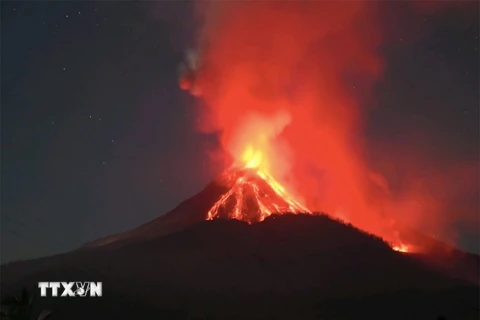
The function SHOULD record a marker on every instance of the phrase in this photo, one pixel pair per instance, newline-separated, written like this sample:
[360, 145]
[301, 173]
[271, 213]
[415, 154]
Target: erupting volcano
[252, 195]
[277, 94]
[291, 136]
[316, 202]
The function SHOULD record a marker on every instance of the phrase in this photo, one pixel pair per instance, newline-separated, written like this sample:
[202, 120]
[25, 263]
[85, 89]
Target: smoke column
[279, 75]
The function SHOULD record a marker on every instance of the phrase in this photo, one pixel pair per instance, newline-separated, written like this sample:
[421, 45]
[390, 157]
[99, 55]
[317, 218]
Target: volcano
[244, 194]
[243, 248]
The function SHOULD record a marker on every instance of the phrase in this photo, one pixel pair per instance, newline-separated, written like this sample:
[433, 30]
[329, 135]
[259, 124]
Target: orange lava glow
[285, 85]
[254, 194]
[401, 248]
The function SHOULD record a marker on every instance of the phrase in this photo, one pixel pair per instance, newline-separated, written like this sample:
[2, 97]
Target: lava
[254, 194]
[401, 248]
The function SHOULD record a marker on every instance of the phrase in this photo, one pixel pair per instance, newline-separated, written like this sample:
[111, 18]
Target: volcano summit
[252, 196]
[244, 194]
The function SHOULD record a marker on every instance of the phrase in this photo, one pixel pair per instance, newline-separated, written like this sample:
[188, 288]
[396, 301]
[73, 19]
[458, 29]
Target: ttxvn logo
[71, 289]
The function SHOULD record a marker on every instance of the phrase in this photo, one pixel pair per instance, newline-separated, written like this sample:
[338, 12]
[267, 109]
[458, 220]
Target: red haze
[278, 75]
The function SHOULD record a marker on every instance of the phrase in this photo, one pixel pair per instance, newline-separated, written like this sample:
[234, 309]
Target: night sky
[97, 138]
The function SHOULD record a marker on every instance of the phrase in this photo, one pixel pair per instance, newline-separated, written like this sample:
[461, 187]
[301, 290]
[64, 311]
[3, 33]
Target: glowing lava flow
[254, 194]
[401, 248]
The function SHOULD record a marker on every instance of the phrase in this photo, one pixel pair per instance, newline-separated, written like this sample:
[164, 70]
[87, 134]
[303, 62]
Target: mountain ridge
[215, 265]
[211, 267]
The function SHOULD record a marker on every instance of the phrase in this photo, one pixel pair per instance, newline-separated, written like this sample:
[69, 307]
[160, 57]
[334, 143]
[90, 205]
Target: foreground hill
[286, 267]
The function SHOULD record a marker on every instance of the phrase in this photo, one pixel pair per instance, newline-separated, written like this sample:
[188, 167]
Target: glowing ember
[401, 248]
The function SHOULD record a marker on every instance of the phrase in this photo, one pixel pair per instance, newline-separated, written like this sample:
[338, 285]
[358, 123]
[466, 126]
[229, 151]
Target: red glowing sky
[278, 76]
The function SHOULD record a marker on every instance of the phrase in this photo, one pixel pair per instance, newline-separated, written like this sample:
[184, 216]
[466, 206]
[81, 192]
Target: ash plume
[256, 59]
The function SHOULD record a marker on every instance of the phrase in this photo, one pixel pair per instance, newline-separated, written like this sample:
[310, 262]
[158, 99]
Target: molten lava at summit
[253, 193]
[253, 196]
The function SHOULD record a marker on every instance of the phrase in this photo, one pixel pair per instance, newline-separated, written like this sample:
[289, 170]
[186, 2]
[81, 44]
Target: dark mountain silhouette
[285, 267]
[231, 184]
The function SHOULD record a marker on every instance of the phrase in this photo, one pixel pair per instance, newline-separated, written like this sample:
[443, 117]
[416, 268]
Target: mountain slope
[227, 267]
[186, 214]
[242, 194]
[281, 266]
[251, 196]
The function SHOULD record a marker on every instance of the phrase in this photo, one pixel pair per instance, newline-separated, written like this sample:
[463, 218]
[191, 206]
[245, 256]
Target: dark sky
[97, 138]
